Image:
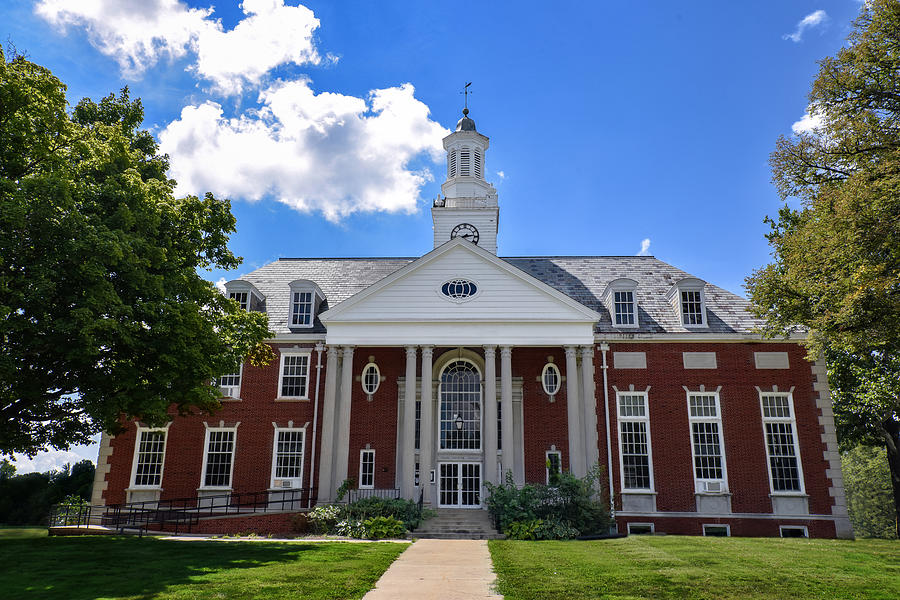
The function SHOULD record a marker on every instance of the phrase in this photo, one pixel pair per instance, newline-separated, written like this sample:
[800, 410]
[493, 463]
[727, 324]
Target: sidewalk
[444, 569]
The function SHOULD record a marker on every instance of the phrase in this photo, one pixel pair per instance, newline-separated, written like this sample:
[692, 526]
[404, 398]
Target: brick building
[433, 375]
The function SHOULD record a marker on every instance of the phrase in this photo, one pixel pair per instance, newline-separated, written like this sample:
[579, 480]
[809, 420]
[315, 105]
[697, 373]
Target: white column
[342, 439]
[489, 430]
[576, 448]
[426, 443]
[506, 408]
[408, 463]
[589, 401]
[326, 454]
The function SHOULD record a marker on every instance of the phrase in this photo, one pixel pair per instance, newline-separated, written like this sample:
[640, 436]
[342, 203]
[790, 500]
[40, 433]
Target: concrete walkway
[444, 569]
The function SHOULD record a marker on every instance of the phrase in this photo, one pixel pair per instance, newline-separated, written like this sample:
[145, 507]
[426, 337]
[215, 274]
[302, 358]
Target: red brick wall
[739, 527]
[745, 451]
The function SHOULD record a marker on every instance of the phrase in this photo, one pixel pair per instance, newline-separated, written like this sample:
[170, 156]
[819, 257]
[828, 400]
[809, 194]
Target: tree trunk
[892, 443]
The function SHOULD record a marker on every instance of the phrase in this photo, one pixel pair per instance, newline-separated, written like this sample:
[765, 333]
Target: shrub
[565, 510]
[406, 511]
[324, 518]
[378, 528]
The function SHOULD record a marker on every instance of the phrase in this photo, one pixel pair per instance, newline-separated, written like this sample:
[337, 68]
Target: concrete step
[454, 536]
[451, 524]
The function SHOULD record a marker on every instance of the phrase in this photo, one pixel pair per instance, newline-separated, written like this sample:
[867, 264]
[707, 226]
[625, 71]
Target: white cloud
[140, 33]
[808, 124]
[326, 152]
[501, 174]
[220, 284]
[48, 460]
[645, 248]
[813, 19]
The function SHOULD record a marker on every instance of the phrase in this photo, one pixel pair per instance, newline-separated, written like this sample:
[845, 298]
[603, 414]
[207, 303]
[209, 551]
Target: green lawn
[698, 567]
[83, 568]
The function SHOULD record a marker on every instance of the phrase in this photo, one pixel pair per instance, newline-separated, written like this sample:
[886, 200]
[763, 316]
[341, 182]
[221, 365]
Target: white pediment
[510, 306]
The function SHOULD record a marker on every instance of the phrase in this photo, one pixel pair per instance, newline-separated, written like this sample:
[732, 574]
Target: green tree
[867, 482]
[103, 314]
[836, 268]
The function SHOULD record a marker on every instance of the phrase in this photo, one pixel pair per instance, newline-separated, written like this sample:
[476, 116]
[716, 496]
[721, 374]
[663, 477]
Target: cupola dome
[465, 124]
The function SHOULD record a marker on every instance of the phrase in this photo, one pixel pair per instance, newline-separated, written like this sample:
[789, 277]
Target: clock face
[466, 232]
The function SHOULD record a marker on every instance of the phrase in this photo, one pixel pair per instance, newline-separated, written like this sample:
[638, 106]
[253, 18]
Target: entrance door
[460, 485]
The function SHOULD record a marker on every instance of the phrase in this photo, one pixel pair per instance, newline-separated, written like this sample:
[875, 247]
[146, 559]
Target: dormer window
[621, 301]
[246, 295]
[306, 297]
[689, 301]
[301, 309]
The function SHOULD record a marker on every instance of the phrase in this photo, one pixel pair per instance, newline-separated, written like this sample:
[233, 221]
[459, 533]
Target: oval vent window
[459, 289]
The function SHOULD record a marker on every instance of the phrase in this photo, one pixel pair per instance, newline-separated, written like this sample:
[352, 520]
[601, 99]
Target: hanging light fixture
[459, 422]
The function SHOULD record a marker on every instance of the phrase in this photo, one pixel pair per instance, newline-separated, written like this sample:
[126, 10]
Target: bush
[870, 498]
[565, 510]
[379, 528]
[366, 518]
[405, 511]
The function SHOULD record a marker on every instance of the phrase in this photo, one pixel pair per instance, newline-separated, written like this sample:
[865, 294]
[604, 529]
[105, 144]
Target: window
[691, 308]
[219, 457]
[301, 309]
[706, 441]
[452, 166]
[149, 453]
[242, 298]
[294, 375]
[551, 379]
[366, 469]
[794, 531]
[478, 170]
[640, 528]
[624, 305]
[287, 458]
[460, 401]
[717, 530]
[634, 441]
[465, 162]
[781, 442]
[554, 465]
[371, 379]
[230, 385]
[459, 289]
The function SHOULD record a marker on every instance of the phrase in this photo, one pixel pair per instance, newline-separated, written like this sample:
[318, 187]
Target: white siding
[484, 220]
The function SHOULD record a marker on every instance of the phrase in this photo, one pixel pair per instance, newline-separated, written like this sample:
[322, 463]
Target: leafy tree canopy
[102, 310]
[836, 268]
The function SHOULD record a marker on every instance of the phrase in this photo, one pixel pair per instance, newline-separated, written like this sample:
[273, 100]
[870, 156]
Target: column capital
[505, 351]
[333, 350]
[427, 351]
[489, 350]
[411, 350]
[587, 351]
[571, 351]
[348, 351]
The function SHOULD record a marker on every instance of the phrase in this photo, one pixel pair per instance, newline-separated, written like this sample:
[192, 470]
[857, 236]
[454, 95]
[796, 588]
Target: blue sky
[610, 123]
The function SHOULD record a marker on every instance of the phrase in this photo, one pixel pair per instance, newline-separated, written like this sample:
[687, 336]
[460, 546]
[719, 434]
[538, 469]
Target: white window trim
[546, 368]
[440, 401]
[301, 289]
[308, 355]
[718, 421]
[547, 463]
[628, 526]
[726, 526]
[362, 379]
[793, 421]
[134, 461]
[805, 529]
[237, 394]
[205, 457]
[674, 296]
[237, 286]
[275, 457]
[622, 285]
[645, 419]
[362, 453]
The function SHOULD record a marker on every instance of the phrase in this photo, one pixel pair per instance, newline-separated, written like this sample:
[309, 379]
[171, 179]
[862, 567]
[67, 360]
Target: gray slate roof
[582, 278]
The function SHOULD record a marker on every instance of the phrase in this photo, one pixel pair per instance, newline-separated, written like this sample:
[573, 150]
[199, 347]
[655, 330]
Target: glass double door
[460, 485]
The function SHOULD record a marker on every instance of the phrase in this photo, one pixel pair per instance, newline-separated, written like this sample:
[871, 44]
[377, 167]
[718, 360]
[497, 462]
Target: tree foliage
[836, 268]
[102, 310]
[26, 499]
[867, 483]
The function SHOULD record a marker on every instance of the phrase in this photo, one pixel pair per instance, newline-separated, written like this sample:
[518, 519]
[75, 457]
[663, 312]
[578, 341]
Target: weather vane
[465, 92]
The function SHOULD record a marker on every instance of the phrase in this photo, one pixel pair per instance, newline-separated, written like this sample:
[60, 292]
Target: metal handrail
[360, 494]
[183, 513]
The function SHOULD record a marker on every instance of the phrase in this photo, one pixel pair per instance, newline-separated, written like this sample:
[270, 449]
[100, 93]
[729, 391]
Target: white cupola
[468, 206]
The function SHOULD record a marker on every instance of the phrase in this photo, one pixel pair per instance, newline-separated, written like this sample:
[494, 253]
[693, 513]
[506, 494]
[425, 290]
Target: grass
[82, 568]
[697, 567]
[21, 531]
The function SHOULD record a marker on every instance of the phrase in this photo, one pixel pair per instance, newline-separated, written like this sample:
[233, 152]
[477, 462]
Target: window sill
[281, 399]
[639, 492]
[230, 399]
[722, 493]
[145, 488]
[214, 489]
[788, 495]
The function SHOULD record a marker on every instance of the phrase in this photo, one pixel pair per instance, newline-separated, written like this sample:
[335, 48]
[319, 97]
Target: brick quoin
[374, 423]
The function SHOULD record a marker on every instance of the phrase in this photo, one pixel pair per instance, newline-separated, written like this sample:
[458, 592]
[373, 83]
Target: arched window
[460, 395]
[551, 379]
[371, 379]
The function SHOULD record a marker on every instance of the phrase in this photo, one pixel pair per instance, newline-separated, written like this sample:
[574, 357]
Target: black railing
[180, 514]
[388, 493]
